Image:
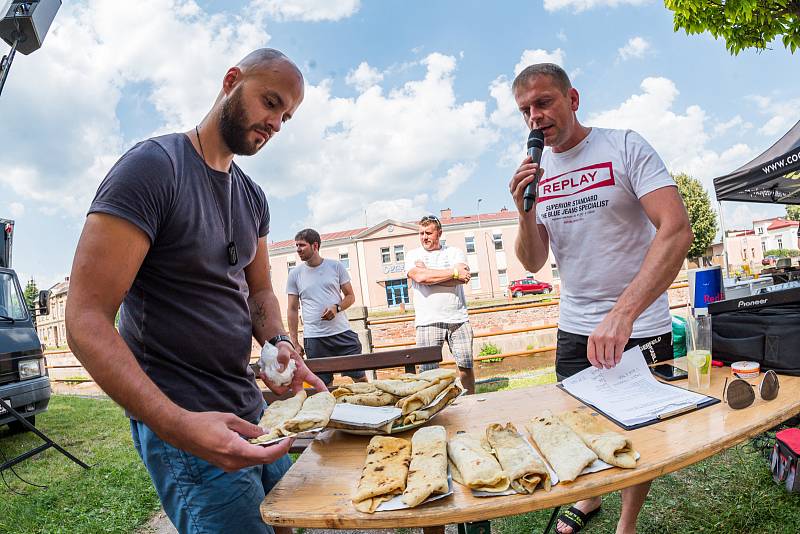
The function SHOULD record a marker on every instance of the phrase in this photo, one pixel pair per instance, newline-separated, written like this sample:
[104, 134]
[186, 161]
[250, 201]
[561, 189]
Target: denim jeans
[201, 498]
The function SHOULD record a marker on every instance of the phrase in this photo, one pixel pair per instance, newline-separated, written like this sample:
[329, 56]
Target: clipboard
[709, 401]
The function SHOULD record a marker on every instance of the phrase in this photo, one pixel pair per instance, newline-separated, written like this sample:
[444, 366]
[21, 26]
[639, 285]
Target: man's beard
[233, 126]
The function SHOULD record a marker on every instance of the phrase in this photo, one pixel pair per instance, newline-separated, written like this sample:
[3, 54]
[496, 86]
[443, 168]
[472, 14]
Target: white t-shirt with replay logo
[588, 199]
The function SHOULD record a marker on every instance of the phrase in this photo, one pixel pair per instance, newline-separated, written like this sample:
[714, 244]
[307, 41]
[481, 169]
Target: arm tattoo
[259, 314]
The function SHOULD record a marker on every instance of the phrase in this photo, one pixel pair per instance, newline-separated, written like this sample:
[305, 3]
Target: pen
[677, 411]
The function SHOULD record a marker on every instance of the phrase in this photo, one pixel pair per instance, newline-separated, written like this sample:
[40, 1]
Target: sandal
[575, 519]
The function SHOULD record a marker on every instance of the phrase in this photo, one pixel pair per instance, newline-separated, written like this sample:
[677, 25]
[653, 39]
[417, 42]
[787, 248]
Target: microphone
[535, 147]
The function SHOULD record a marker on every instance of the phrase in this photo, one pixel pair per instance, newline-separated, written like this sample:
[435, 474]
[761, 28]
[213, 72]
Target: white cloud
[456, 175]
[308, 10]
[363, 77]
[581, 5]
[561, 36]
[723, 127]
[679, 137]
[16, 209]
[782, 115]
[382, 144]
[529, 57]
[636, 47]
[73, 119]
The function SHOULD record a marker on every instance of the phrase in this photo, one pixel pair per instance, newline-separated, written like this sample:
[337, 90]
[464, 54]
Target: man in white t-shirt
[438, 274]
[619, 232]
[323, 288]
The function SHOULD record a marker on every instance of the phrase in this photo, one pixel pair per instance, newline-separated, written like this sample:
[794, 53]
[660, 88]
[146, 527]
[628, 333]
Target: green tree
[701, 217]
[793, 212]
[742, 23]
[31, 294]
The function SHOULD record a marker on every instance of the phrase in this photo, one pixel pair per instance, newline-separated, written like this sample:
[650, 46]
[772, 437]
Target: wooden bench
[407, 358]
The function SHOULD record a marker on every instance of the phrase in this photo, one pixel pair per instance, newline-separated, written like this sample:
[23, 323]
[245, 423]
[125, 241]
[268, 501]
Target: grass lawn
[115, 495]
[731, 492]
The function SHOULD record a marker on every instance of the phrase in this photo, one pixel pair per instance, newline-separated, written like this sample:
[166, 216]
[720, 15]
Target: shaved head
[264, 58]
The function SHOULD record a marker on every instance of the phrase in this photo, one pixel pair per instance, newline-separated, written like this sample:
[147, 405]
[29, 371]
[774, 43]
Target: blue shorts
[201, 498]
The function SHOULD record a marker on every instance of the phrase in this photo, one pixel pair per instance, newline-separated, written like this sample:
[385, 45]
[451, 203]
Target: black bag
[769, 336]
[785, 459]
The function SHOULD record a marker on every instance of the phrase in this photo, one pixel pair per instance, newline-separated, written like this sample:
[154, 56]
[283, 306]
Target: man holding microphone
[619, 232]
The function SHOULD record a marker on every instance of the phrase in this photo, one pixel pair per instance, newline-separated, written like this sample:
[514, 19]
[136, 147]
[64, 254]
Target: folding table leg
[47, 442]
[478, 527]
[552, 520]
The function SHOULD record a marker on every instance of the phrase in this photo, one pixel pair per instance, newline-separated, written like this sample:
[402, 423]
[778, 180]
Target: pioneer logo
[748, 303]
[577, 181]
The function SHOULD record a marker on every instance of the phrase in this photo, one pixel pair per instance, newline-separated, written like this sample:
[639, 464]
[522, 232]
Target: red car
[528, 286]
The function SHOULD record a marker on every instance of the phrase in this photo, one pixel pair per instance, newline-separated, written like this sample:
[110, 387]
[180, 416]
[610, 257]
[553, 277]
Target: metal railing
[406, 343]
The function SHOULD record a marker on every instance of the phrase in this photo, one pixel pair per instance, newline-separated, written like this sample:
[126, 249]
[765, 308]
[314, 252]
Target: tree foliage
[782, 252]
[702, 218]
[31, 294]
[742, 23]
[793, 212]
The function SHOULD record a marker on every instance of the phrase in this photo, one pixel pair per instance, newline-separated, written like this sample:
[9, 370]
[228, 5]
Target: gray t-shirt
[319, 287]
[186, 317]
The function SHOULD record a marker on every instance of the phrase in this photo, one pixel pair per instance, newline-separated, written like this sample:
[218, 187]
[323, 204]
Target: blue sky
[408, 107]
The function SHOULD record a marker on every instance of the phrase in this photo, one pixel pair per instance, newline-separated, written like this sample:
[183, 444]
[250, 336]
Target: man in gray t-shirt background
[176, 235]
[322, 286]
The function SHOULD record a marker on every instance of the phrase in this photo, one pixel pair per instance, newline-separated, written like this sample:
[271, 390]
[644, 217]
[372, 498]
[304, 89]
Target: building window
[344, 257]
[399, 253]
[744, 253]
[502, 277]
[397, 292]
[469, 243]
[780, 243]
[442, 243]
[554, 270]
[498, 241]
[763, 247]
[753, 252]
[385, 257]
[290, 265]
[475, 281]
[760, 230]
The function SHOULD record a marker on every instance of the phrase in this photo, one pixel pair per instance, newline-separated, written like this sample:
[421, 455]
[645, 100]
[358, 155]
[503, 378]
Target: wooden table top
[316, 492]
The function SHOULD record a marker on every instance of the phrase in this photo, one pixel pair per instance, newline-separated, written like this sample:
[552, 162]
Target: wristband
[277, 339]
[455, 273]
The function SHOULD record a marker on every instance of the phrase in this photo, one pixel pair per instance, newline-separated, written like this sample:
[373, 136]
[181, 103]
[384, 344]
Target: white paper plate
[304, 434]
[396, 503]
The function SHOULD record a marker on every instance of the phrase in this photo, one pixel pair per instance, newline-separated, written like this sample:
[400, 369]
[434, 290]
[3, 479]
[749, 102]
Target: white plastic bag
[269, 366]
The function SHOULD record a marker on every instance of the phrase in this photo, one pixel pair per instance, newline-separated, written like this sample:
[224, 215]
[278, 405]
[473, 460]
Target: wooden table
[316, 491]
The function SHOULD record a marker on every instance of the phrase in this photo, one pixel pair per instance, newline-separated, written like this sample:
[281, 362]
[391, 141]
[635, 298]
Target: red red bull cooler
[705, 287]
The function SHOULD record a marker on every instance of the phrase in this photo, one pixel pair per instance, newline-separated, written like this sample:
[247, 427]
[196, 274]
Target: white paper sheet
[628, 392]
[367, 416]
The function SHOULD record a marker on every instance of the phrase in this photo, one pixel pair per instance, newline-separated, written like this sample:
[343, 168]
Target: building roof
[503, 215]
[60, 287]
[779, 223]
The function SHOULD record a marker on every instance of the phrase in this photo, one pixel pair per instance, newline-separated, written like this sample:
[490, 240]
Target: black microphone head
[536, 139]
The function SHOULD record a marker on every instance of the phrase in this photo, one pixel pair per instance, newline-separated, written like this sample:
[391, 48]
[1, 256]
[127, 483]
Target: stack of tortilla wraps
[394, 466]
[427, 473]
[524, 468]
[291, 416]
[613, 448]
[496, 461]
[572, 441]
[473, 464]
[413, 394]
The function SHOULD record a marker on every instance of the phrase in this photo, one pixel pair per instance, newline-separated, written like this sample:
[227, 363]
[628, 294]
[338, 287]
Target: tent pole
[724, 244]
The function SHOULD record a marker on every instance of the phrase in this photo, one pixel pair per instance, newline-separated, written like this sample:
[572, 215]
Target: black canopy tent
[772, 177]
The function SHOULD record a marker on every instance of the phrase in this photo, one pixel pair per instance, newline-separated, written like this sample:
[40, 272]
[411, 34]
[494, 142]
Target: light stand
[5, 63]
[23, 25]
